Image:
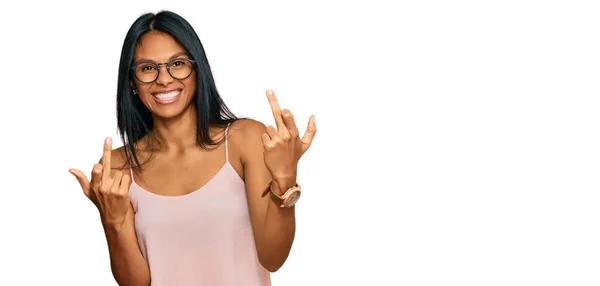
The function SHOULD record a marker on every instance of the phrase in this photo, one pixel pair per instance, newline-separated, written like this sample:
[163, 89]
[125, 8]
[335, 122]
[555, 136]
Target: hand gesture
[110, 193]
[283, 146]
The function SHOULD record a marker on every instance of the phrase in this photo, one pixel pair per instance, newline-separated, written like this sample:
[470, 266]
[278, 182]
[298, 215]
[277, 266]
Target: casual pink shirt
[201, 238]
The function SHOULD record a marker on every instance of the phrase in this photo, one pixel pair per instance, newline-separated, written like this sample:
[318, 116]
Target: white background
[457, 141]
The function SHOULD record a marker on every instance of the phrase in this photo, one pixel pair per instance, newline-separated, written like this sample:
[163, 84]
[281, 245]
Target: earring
[135, 91]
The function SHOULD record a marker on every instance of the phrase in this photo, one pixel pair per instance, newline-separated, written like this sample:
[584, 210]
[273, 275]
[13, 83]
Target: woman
[196, 196]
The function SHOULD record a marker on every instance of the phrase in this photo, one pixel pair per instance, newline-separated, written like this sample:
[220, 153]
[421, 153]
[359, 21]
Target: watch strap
[279, 200]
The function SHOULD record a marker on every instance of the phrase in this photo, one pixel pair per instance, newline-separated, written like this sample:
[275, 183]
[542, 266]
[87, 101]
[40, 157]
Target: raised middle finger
[106, 159]
[275, 109]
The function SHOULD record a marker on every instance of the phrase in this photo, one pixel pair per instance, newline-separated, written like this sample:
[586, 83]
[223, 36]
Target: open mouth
[167, 97]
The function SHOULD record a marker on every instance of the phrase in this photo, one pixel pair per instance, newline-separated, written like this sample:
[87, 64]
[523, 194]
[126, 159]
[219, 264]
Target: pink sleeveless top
[201, 238]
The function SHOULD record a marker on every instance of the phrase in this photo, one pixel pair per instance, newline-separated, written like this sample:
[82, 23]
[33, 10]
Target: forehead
[157, 46]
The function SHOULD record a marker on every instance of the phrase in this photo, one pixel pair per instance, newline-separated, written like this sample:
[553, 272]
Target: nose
[164, 78]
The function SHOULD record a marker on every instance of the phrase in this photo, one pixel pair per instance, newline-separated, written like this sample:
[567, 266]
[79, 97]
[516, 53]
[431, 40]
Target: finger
[117, 181]
[275, 109]
[288, 119]
[96, 176]
[272, 133]
[83, 181]
[125, 183]
[309, 135]
[106, 159]
[267, 143]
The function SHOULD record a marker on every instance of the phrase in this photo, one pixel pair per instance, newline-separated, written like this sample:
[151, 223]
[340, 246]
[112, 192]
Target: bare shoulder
[245, 136]
[248, 127]
[119, 160]
[243, 130]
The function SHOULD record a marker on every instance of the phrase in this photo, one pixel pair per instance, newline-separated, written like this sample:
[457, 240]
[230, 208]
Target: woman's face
[165, 97]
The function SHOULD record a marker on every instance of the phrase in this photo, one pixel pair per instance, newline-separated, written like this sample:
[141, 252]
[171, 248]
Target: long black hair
[134, 120]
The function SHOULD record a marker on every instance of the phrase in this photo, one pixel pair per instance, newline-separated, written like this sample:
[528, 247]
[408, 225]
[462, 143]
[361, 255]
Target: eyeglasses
[147, 72]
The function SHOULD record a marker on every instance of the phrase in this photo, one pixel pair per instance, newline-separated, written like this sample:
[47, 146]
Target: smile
[167, 97]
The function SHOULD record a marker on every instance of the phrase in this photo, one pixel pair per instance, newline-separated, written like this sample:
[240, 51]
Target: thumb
[308, 137]
[83, 181]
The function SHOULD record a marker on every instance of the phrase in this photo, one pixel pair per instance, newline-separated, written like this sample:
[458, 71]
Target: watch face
[291, 200]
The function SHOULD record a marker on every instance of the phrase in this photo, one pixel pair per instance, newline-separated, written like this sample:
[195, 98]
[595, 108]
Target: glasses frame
[167, 65]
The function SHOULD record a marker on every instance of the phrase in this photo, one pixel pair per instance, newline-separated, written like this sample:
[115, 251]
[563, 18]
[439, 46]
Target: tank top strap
[131, 174]
[226, 147]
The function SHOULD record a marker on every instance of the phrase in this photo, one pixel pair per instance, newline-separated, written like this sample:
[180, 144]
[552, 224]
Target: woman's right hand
[109, 192]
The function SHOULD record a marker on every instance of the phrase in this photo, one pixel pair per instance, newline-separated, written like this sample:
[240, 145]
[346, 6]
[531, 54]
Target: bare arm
[109, 191]
[274, 227]
[127, 263]
[271, 155]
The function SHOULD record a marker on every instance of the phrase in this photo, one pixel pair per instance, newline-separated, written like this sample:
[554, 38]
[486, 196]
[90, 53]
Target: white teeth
[167, 96]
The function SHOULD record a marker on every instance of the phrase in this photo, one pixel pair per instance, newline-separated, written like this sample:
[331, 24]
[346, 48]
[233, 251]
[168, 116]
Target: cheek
[145, 96]
[190, 85]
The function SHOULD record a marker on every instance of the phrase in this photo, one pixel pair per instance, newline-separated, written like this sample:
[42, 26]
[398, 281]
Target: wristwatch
[288, 199]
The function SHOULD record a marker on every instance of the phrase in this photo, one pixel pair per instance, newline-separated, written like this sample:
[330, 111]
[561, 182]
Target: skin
[259, 154]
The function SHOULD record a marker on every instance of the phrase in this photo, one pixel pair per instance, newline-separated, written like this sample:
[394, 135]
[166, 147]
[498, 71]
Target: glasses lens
[146, 72]
[180, 68]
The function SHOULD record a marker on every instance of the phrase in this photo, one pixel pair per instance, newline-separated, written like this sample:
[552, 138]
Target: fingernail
[107, 140]
[269, 91]
[314, 119]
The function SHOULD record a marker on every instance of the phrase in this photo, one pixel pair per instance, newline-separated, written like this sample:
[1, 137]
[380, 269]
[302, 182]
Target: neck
[178, 133]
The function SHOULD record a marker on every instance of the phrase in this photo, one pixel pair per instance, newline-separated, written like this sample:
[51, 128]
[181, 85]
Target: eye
[147, 67]
[177, 63]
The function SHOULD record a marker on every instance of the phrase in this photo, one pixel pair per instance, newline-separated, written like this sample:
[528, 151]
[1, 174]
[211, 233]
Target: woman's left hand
[283, 146]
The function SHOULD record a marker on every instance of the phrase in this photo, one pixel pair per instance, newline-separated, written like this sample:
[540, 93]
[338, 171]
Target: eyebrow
[172, 57]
